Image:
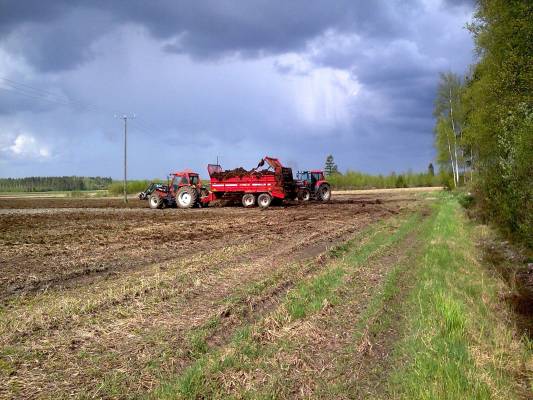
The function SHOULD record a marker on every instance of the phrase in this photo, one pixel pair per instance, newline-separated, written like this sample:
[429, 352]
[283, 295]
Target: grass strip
[458, 343]
[201, 379]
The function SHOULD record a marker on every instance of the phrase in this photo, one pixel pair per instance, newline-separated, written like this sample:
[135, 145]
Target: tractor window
[317, 176]
[184, 180]
[304, 176]
[176, 183]
[194, 179]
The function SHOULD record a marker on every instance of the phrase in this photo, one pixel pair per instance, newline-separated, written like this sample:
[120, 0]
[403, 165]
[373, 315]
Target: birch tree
[443, 143]
[449, 111]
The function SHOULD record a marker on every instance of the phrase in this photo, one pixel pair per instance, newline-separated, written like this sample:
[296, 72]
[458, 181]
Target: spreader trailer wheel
[186, 197]
[264, 200]
[248, 200]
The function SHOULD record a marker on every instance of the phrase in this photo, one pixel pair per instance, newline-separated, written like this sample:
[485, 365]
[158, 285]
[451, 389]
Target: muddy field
[90, 286]
[60, 202]
[53, 246]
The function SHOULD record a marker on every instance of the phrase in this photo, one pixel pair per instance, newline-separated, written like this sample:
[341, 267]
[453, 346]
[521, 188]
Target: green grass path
[458, 341]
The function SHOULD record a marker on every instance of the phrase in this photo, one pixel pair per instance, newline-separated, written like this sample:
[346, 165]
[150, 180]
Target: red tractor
[313, 185]
[185, 190]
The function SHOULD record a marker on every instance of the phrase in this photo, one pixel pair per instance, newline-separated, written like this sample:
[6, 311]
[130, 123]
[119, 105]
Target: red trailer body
[276, 181]
[248, 184]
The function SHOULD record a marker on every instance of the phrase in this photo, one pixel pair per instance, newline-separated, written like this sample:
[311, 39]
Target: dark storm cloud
[251, 29]
[56, 35]
[13, 13]
[61, 45]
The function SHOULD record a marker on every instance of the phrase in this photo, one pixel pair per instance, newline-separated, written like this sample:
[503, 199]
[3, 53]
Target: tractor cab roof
[181, 173]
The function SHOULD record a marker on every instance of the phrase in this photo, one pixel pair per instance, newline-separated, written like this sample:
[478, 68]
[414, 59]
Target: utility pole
[125, 118]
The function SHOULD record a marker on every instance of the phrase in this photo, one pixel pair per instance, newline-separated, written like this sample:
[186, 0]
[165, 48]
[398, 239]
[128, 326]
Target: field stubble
[102, 299]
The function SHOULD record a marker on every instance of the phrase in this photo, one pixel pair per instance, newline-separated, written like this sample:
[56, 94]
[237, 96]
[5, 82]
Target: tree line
[54, 183]
[484, 120]
[359, 180]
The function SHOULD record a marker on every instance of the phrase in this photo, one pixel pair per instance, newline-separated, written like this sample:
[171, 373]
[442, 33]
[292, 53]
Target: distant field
[59, 194]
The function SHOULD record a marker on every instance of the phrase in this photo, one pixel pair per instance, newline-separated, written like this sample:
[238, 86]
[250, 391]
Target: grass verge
[459, 341]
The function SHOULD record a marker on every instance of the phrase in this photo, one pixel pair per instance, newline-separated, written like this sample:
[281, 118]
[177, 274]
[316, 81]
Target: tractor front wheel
[186, 197]
[264, 200]
[155, 201]
[323, 193]
[248, 200]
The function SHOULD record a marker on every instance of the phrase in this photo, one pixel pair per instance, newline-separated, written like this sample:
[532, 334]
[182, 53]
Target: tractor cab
[185, 178]
[312, 184]
[310, 178]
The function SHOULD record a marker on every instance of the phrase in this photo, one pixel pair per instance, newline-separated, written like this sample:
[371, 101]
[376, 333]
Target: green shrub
[359, 180]
[117, 187]
[466, 199]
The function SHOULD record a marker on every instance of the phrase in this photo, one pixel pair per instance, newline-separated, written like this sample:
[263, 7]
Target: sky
[237, 80]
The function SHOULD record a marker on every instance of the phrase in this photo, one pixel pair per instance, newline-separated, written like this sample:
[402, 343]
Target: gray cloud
[61, 45]
[57, 37]
[232, 79]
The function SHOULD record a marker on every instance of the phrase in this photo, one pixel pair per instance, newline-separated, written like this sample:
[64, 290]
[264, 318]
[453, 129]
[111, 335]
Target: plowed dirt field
[100, 300]
[54, 246]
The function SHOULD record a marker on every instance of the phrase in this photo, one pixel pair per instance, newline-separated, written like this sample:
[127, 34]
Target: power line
[139, 125]
[65, 102]
[29, 87]
[35, 93]
[40, 94]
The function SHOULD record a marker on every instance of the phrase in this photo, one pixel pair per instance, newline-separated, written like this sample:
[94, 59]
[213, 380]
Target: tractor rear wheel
[248, 200]
[186, 197]
[155, 201]
[304, 195]
[323, 193]
[264, 200]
